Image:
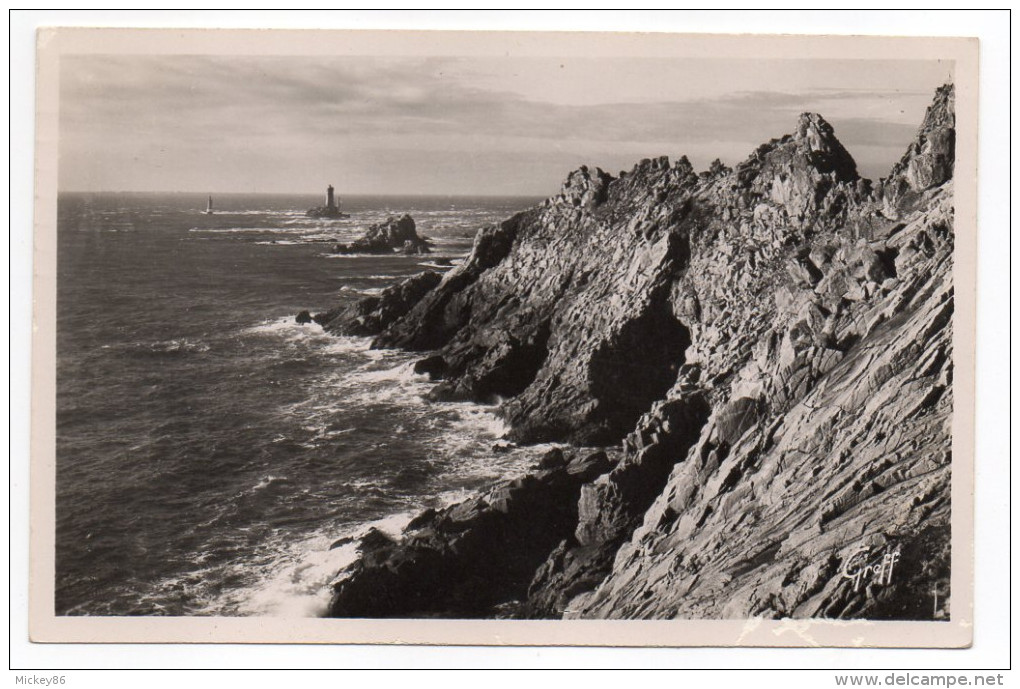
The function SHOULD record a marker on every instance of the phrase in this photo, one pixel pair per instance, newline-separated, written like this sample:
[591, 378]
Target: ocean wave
[479, 420]
[403, 374]
[361, 256]
[318, 238]
[230, 230]
[293, 576]
[268, 481]
[288, 331]
[287, 328]
[346, 344]
[390, 387]
[297, 583]
[270, 213]
[176, 346]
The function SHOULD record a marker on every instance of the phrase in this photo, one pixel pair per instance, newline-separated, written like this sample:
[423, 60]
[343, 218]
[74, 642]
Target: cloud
[122, 113]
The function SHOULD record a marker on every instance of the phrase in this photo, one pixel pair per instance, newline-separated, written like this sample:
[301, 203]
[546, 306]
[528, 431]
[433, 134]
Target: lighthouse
[330, 210]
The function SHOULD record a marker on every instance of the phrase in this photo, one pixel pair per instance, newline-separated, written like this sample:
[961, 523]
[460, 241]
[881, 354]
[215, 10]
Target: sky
[459, 126]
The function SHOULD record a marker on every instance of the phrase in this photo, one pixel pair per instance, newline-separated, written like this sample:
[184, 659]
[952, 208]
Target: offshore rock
[331, 212]
[392, 234]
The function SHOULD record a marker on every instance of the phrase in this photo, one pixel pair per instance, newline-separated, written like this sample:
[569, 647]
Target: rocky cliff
[766, 351]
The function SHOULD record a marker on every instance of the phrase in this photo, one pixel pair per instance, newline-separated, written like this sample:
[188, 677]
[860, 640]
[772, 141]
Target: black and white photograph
[503, 329]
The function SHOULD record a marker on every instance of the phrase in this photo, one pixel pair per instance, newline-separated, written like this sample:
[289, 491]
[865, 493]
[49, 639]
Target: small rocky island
[386, 237]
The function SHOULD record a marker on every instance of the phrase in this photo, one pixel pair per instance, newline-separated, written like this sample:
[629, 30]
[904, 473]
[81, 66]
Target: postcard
[500, 338]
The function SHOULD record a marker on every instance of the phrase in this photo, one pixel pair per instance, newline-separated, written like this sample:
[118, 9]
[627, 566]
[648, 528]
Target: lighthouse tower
[330, 210]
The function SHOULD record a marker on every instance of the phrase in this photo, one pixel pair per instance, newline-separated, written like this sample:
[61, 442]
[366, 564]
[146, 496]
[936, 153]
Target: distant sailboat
[209, 209]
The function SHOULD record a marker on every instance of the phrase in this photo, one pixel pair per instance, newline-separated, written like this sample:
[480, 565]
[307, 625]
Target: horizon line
[303, 193]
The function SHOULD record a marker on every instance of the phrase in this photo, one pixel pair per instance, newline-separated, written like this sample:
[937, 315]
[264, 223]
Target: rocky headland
[749, 371]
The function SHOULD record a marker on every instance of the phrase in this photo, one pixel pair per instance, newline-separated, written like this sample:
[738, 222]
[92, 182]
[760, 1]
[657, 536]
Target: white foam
[229, 230]
[271, 213]
[297, 584]
[268, 481]
[404, 373]
[479, 421]
[288, 328]
[181, 345]
[346, 344]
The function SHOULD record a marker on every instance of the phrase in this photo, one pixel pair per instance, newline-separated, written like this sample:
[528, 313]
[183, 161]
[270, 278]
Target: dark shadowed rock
[371, 315]
[433, 366]
[331, 212]
[304, 317]
[440, 314]
[553, 459]
[375, 540]
[464, 560]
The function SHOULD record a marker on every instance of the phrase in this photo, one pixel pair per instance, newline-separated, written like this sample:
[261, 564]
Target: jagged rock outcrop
[392, 234]
[371, 315]
[828, 448]
[771, 345]
[930, 158]
[468, 559]
[761, 520]
[553, 321]
[438, 316]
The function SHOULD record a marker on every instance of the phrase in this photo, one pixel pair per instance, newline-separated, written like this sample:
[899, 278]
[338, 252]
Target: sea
[214, 457]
